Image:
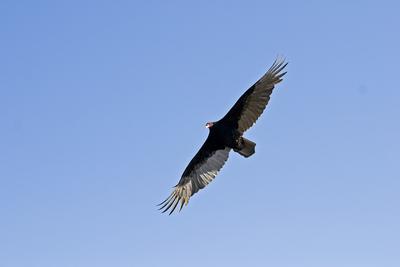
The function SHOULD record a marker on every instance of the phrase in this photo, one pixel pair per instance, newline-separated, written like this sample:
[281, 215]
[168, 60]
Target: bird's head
[209, 125]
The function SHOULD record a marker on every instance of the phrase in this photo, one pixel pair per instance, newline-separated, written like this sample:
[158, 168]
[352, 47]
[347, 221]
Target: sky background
[103, 104]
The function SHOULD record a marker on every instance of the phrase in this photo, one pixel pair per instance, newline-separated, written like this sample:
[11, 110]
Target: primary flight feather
[224, 135]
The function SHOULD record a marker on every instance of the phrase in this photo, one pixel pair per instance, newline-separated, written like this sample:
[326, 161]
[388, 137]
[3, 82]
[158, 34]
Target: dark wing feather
[201, 170]
[252, 103]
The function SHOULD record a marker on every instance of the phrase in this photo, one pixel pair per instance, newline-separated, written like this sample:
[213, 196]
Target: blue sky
[103, 104]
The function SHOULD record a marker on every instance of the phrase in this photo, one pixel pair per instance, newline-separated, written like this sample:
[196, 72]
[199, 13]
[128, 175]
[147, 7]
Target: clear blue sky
[103, 104]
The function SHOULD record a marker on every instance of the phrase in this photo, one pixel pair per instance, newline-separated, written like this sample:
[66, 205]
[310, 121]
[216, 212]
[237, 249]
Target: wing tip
[279, 64]
[179, 195]
[274, 74]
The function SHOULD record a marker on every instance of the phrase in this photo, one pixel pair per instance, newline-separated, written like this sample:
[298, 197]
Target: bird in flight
[225, 135]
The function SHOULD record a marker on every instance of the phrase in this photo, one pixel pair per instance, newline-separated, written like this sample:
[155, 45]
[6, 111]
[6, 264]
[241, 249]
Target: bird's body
[225, 135]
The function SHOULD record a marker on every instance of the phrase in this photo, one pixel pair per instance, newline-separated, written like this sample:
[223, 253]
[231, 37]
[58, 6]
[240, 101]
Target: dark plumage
[224, 135]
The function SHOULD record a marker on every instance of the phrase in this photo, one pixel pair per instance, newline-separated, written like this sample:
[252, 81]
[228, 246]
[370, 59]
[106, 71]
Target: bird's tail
[248, 148]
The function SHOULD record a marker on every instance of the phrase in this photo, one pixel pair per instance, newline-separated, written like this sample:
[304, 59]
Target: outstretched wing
[252, 103]
[201, 170]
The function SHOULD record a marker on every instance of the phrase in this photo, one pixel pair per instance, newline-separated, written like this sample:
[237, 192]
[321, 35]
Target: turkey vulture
[224, 135]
